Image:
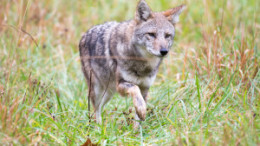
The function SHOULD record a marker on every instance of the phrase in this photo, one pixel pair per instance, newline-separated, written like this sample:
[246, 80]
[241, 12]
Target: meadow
[207, 91]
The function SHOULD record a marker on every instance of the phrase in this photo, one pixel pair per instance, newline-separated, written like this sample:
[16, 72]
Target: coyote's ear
[143, 11]
[173, 14]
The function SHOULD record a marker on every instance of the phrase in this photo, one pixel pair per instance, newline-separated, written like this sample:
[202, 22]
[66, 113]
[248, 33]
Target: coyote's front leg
[129, 89]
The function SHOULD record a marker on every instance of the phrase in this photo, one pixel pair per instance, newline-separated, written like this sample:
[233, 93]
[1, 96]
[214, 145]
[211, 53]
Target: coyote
[124, 57]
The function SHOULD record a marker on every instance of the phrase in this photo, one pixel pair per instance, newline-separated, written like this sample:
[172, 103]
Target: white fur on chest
[154, 62]
[146, 81]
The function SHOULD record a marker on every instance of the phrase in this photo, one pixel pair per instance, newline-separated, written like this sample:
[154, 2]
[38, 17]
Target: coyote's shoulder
[125, 57]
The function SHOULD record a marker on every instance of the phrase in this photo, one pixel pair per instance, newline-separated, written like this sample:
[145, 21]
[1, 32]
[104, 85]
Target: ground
[206, 93]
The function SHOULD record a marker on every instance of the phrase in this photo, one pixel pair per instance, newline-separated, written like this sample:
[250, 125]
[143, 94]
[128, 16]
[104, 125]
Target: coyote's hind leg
[103, 99]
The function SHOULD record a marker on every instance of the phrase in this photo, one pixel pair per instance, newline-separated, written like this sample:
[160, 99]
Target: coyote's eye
[167, 36]
[151, 34]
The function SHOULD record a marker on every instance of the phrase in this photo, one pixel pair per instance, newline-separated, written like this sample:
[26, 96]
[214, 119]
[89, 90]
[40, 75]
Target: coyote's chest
[142, 73]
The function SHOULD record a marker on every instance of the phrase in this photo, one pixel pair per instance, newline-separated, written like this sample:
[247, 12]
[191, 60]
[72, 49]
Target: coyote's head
[154, 31]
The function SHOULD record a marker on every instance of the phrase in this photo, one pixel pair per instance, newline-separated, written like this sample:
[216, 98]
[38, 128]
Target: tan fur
[172, 11]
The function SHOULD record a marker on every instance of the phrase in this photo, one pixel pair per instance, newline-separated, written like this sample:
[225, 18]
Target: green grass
[206, 93]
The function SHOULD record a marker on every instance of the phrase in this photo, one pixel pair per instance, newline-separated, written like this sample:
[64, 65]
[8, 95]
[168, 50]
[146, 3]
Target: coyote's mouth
[152, 53]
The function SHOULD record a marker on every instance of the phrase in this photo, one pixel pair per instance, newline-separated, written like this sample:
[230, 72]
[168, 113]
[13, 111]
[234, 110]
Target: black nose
[163, 51]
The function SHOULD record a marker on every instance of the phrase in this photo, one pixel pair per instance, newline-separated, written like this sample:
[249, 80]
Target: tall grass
[206, 93]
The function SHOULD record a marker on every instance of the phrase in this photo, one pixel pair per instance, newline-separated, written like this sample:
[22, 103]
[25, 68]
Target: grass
[206, 93]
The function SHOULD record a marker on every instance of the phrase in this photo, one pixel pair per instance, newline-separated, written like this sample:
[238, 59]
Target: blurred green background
[206, 93]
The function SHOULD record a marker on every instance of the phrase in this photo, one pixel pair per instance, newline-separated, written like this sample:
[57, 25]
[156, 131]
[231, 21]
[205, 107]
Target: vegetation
[206, 93]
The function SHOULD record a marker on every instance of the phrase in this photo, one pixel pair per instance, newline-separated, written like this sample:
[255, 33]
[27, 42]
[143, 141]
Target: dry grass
[207, 91]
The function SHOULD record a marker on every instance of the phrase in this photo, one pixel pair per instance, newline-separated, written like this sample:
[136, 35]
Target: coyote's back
[93, 48]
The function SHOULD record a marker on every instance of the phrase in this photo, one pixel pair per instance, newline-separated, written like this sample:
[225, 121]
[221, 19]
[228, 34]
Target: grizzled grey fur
[124, 57]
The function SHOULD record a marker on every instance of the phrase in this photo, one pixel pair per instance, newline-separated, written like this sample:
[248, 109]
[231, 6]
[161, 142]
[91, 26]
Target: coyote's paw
[136, 125]
[140, 107]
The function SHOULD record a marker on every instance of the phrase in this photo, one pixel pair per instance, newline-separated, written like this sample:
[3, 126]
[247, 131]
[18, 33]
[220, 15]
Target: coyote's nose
[163, 51]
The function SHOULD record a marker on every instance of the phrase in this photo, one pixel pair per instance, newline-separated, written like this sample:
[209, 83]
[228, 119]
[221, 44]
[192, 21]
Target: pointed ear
[173, 14]
[143, 11]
